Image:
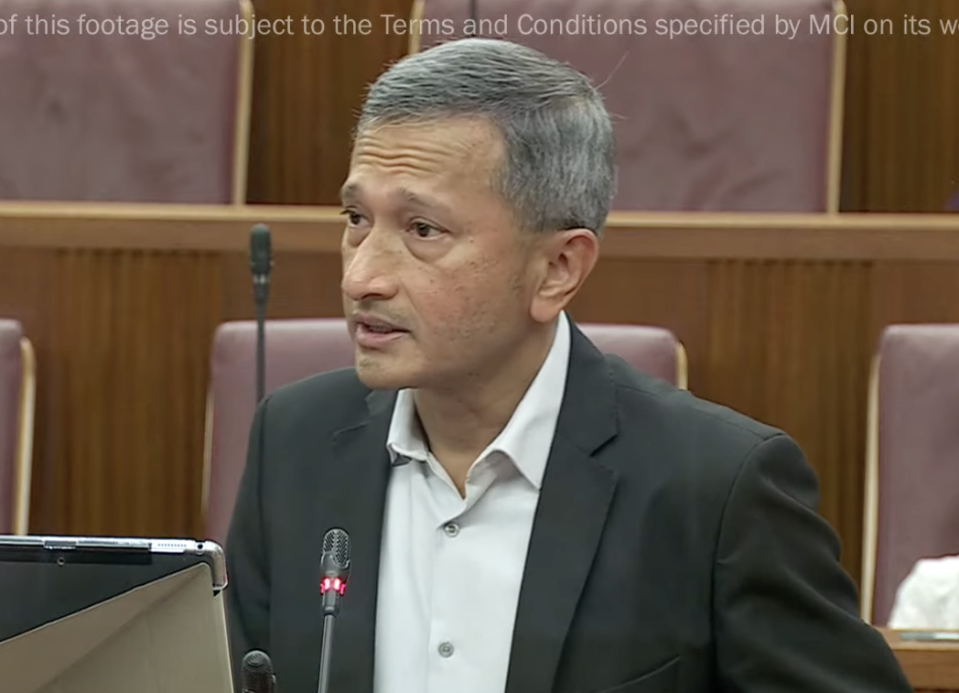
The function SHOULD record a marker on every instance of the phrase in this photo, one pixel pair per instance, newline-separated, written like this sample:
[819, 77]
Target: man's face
[437, 279]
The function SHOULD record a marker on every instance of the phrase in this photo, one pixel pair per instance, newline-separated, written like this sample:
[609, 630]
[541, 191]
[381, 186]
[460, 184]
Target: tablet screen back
[43, 579]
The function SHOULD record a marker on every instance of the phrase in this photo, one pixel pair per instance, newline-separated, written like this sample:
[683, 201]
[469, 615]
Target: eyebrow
[351, 191]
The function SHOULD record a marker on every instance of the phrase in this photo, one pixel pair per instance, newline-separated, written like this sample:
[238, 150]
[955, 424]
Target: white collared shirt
[451, 567]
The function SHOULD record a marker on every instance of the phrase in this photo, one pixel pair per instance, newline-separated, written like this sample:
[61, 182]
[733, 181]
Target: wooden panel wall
[779, 318]
[901, 143]
[119, 339]
[902, 110]
[307, 91]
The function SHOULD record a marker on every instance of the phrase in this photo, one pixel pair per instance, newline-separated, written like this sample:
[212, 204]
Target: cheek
[452, 304]
[470, 304]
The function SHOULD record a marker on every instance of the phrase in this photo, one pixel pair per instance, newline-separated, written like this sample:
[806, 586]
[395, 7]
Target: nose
[369, 269]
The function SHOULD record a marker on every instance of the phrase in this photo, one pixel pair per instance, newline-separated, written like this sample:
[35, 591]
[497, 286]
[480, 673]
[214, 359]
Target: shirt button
[446, 649]
[452, 529]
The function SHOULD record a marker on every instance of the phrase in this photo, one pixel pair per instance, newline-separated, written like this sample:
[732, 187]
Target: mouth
[373, 332]
[372, 324]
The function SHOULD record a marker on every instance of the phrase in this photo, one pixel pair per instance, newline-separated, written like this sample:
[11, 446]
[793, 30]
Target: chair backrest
[93, 115]
[296, 349]
[652, 350]
[716, 122]
[912, 465]
[17, 397]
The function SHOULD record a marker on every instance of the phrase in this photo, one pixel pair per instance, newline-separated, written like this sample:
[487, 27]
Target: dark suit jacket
[676, 547]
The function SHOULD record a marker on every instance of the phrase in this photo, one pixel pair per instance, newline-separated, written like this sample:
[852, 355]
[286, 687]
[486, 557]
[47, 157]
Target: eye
[353, 217]
[423, 230]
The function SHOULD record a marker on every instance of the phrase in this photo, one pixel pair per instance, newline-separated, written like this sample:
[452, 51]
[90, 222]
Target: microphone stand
[261, 262]
[261, 291]
[331, 607]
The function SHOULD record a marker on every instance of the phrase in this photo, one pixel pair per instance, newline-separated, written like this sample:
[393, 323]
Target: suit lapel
[574, 500]
[358, 481]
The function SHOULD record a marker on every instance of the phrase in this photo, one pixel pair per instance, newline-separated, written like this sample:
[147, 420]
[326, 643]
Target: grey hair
[559, 170]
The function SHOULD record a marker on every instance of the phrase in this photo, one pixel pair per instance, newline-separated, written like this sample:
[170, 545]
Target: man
[527, 515]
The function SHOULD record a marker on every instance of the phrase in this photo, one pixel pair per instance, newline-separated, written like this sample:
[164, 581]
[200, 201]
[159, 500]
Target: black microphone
[473, 11]
[261, 263]
[334, 574]
[258, 674]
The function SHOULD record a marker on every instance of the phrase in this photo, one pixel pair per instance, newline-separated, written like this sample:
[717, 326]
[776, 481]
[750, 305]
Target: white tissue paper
[928, 599]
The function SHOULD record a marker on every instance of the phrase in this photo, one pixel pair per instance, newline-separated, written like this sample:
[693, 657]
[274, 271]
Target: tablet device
[46, 578]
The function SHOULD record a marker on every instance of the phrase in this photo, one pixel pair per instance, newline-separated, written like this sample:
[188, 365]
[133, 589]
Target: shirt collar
[527, 437]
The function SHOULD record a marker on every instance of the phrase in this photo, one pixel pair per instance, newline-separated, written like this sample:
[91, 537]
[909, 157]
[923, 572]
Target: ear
[569, 257]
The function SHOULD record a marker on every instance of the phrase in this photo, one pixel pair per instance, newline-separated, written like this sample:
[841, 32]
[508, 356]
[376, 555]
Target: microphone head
[257, 672]
[335, 560]
[260, 249]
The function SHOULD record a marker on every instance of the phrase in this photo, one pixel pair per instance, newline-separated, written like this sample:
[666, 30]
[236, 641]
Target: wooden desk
[930, 666]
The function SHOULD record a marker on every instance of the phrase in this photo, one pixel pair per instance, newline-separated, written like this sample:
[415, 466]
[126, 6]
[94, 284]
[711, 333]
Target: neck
[460, 423]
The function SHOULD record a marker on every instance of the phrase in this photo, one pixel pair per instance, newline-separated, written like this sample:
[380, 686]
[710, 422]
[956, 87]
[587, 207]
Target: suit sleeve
[786, 613]
[248, 591]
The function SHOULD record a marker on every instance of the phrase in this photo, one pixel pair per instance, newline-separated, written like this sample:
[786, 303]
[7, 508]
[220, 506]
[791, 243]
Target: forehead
[449, 155]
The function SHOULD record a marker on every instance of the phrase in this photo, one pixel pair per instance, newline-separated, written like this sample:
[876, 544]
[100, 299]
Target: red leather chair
[717, 123]
[89, 116]
[296, 349]
[17, 397]
[912, 465]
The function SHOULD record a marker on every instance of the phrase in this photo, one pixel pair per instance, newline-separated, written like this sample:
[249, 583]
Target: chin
[379, 373]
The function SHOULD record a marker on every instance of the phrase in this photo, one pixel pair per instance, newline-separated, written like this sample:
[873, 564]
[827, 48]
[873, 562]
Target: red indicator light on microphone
[336, 584]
